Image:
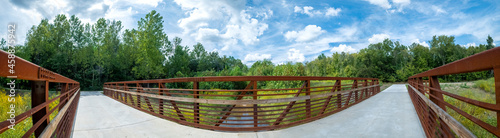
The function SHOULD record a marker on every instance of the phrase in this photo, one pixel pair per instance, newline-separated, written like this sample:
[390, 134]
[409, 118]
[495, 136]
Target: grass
[22, 104]
[477, 92]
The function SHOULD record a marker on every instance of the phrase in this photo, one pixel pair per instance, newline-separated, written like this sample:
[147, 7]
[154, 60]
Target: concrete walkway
[388, 114]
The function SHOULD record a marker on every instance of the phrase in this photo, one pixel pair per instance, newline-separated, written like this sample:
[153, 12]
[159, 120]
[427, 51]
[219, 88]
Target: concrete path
[387, 114]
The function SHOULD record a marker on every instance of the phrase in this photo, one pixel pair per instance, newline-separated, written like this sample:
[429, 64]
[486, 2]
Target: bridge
[301, 107]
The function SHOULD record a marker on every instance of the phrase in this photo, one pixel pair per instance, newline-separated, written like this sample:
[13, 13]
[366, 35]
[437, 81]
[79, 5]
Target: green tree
[149, 61]
[490, 44]
[179, 61]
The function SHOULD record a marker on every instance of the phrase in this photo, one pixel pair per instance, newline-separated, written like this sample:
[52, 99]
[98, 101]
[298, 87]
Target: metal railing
[427, 96]
[247, 109]
[40, 78]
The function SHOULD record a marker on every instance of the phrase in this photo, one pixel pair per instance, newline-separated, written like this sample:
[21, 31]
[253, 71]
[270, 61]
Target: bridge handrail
[40, 78]
[427, 83]
[249, 109]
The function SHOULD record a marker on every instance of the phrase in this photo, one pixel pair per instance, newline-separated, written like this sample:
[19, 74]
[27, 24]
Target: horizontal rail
[53, 125]
[249, 109]
[432, 108]
[238, 78]
[40, 79]
[26, 70]
[485, 60]
[450, 121]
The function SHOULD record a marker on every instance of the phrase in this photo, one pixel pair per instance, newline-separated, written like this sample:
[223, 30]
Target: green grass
[475, 93]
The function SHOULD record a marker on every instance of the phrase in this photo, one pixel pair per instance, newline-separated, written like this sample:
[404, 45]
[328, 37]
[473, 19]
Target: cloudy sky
[280, 30]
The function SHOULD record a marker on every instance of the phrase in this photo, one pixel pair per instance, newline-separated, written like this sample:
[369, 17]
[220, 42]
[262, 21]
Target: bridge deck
[387, 114]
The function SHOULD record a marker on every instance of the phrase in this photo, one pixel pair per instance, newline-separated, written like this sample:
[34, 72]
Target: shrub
[486, 85]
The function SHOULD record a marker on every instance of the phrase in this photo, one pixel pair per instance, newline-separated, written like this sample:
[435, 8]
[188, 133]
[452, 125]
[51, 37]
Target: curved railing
[427, 96]
[40, 79]
[251, 108]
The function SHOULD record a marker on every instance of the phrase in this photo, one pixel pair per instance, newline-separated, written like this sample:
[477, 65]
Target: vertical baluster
[308, 101]
[255, 114]
[496, 73]
[196, 105]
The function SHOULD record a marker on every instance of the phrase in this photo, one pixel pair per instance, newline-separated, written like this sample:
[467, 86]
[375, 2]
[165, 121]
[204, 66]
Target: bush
[486, 85]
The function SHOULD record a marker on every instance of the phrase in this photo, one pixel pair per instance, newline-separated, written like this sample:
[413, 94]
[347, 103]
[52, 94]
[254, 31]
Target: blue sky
[280, 30]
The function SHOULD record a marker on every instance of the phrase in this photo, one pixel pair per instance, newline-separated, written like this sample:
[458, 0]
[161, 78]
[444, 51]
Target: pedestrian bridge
[291, 107]
[386, 114]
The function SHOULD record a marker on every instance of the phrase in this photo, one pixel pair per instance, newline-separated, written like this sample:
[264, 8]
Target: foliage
[480, 113]
[486, 85]
[22, 103]
[393, 62]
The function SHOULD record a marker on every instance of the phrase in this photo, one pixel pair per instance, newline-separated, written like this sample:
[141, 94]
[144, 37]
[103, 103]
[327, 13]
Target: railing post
[354, 86]
[339, 96]
[434, 83]
[378, 86]
[308, 101]
[139, 89]
[196, 105]
[496, 73]
[64, 98]
[372, 90]
[160, 102]
[365, 90]
[125, 97]
[114, 92]
[420, 85]
[255, 114]
[39, 95]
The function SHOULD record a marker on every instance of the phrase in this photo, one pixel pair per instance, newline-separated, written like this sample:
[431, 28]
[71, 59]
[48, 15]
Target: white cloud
[231, 20]
[295, 55]
[401, 2]
[123, 15]
[332, 11]
[382, 3]
[297, 9]
[470, 44]
[207, 34]
[395, 6]
[423, 43]
[256, 57]
[438, 10]
[343, 48]
[376, 38]
[309, 33]
[308, 10]
[152, 3]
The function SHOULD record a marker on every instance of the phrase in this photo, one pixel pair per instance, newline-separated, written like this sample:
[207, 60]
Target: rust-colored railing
[431, 106]
[40, 78]
[247, 109]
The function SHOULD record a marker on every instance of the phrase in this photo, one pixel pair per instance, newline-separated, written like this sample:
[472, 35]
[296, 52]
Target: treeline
[103, 52]
[393, 62]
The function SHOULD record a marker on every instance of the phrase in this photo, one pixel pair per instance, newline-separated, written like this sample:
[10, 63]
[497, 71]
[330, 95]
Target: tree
[322, 56]
[3, 44]
[149, 62]
[490, 44]
[178, 63]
